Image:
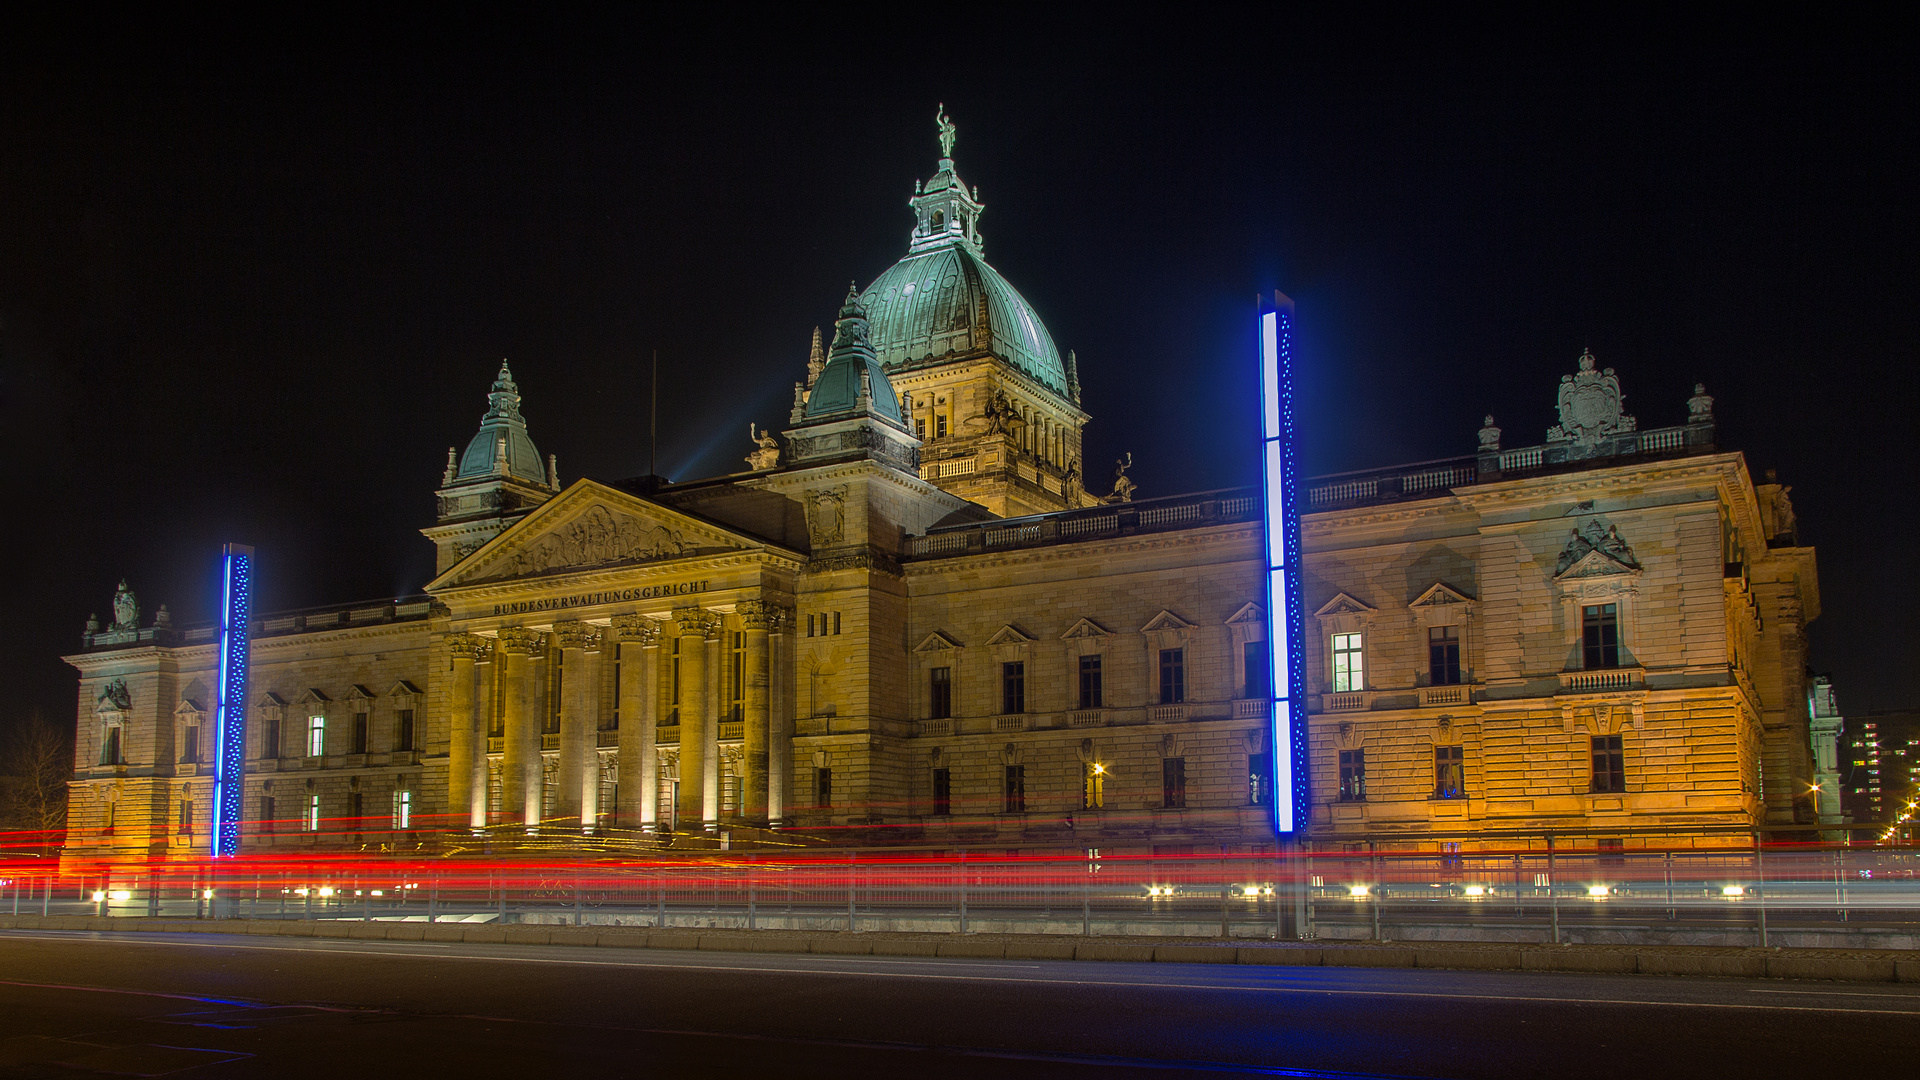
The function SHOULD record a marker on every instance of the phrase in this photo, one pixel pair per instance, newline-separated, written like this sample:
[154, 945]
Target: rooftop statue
[126, 608]
[1590, 406]
[948, 133]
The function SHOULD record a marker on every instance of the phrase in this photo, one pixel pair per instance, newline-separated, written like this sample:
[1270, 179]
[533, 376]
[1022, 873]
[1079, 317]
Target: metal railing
[1788, 894]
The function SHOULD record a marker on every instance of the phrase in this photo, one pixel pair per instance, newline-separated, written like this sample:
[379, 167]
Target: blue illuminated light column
[230, 759]
[1286, 658]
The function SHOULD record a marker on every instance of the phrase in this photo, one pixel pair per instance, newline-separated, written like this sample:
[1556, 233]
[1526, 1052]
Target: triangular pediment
[315, 696]
[403, 689]
[189, 708]
[1166, 620]
[1085, 628]
[591, 526]
[936, 642]
[1595, 563]
[1248, 613]
[357, 693]
[1009, 635]
[271, 700]
[1440, 595]
[1343, 604]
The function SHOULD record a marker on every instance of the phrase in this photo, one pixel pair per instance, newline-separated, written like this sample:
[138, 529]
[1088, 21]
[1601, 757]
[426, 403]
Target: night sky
[254, 280]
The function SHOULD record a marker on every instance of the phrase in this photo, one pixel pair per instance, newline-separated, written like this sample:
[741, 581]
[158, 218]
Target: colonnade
[669, 669]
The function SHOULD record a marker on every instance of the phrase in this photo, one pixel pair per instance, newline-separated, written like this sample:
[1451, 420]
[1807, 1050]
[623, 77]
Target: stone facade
[1603, 634]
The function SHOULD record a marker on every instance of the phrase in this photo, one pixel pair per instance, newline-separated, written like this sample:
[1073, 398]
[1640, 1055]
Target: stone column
[756, 620]
[780, 684]
[639, 645]
[696, 720]
[464, 732]
[579, 721]
[520, 770]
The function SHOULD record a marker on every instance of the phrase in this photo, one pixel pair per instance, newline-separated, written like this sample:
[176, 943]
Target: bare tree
[36, 761]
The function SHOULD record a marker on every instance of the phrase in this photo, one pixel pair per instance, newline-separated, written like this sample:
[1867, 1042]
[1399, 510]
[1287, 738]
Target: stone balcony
[1603, 681]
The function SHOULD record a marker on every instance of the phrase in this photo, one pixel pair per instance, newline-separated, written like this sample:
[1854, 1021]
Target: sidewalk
[1749, 963]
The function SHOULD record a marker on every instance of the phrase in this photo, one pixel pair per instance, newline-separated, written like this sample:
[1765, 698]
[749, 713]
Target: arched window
[939, 220]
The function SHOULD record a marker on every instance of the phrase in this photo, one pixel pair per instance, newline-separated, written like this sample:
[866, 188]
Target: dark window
[1612, 851]
[1090, 682]
[940, 693]
[403, 735]
[1600, 636]
[266, 814]
[823, 787]
[1173, 676]
[356, 809]
[1253, 656]
[1014, 790]
[1443, 655]
[940, 426]
[836, 622]
[110, 751]
[1259, 778]
[190, 751]
[270, 739]
[359, 733]
[1353, 776]
[920, 428]
[942, 791]
[1449, 772]
[1609, 764]
[556, 677]
[186, 819]
[1173, 782]
[1013, 687]
[676, 676]
[613, 724]
[810, 626]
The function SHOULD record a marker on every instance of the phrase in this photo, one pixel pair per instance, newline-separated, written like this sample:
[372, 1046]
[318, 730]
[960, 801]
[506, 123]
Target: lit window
[316, 736]
[1349, 672]
[403, 809]
[1353, 776]
[1259, 777]
[311, 820]
[1449, 772]
[1095, 794]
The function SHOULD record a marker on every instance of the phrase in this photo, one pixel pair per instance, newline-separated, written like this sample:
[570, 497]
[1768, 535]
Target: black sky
[255, 279]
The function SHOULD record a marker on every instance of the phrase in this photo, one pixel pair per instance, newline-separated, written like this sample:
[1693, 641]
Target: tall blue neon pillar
[1286, 657]
[230, 759]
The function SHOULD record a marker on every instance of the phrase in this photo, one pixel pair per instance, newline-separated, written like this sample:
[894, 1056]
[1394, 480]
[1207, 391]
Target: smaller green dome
[502, 427]
[850, 363]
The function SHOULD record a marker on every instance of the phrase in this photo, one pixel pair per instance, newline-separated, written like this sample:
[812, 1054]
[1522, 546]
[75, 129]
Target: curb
[1694, 961]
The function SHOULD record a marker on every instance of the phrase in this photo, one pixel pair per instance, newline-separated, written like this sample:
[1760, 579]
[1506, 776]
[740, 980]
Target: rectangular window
[1090, 689]
[739, 699]
[1259, 778]
[1449, 772]
[1612, 851]
[809, 626]
[940, 426]
[939, 693]
[1253, 658]
[1609, 764]
[1349, 672]
[1173, 676]
[316, 736]
[836, 622]
[403, 809]
[1094, 795]
[1173, 782]
[1013, 792]
[359, 733]
[942, 791]
[311, 819]
[920, 428]
[270, 738]
[1353, 776]
[673, 715]
[1013, 687]
[110, 748]
[266, 814]
[186, 819]
[190, 749]
[1600, 636]
[106, 819]
[356, 812]
[823, 787]
[403, 734]
[613, 722]
[1443, 655]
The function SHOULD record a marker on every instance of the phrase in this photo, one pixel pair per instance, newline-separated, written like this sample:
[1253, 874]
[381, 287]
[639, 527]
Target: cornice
[571, 580]
[1081, 549]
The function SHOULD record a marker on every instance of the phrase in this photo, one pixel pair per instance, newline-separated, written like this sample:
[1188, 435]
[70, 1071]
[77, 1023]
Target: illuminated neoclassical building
[908, 621]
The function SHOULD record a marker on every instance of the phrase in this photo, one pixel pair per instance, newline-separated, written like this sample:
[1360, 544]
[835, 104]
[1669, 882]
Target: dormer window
[939, 220]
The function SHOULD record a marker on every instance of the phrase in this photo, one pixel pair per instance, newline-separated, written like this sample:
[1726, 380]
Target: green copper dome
[502, 447]
[943, 301]
[948, 300]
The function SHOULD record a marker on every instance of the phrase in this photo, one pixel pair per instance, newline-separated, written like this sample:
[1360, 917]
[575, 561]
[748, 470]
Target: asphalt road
[217, 1006]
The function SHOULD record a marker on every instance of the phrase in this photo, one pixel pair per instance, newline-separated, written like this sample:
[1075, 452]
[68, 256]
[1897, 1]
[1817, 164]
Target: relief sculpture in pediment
[595, 538]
